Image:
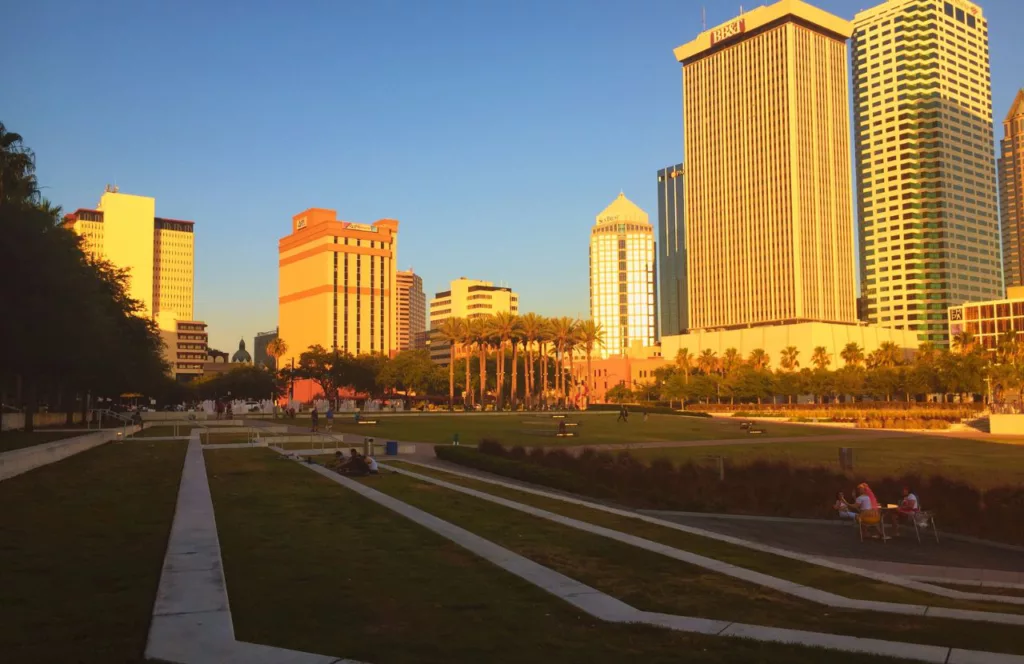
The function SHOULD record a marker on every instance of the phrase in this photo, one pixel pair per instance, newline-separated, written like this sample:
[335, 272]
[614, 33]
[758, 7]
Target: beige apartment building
[926, 185]
[622, 275]
[988, 321]
[1011, 192]
[768, 188]
[411, 309]
[336, 285]
[467, 298]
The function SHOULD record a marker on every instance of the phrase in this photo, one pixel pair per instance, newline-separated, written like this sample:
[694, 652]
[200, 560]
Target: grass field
[82, 543]
[979, 463]
[538, 429]
[15, 440]
[374, 586]
[653, 582]
[163, 430]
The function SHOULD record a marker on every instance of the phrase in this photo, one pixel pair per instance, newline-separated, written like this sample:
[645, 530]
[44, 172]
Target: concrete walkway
[718, 566]
[191, 616]
[609, 609]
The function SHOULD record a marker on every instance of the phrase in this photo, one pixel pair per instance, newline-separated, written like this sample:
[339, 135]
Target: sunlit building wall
[1011, 193]
[768, 188]
[622, 275]
[411, 308]
[336, 285]
[926, 186]
[469, 299]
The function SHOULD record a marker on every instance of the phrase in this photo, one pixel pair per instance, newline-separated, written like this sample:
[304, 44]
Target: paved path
[748, 440]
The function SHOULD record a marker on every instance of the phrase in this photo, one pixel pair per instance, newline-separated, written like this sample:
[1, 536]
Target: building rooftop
[622, 210]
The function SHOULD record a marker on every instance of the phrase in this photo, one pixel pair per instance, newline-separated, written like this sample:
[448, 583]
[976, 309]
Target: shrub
[774, 488]
[659, 410]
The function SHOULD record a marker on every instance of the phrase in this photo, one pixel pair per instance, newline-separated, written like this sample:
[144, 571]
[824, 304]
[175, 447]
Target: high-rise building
[336, 285]
[622, 268]
[467, 298]
[671, 252]
[768, 209]
[260, 357]
[158, 253]
[1011, 193]
[926, 185]
[185, 347]
[411, 309]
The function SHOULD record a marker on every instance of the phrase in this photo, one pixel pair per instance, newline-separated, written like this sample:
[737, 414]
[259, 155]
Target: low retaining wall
[11, 421]
[25, 459]
[1007, 424]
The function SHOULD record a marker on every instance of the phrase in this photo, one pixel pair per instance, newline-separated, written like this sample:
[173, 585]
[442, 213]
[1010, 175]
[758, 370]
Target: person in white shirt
[910, 506]
[843, 508]
[372, 463]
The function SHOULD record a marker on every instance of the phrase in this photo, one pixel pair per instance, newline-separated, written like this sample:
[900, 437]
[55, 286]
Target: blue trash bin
[391, 448]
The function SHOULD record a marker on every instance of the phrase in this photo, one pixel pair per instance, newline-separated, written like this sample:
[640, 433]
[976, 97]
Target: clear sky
[493, 130]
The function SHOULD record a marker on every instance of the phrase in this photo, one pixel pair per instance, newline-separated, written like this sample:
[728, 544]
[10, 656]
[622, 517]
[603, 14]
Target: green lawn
[847, 585]
[653, 582]
[82, 543]
[15, 440]
[163, 431]
[374, 586]
[538, 429]
[979, 463]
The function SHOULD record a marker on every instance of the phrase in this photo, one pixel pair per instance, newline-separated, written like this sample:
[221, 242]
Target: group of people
[356, 464]
[624, 414]
[314, 419]
[868, 510]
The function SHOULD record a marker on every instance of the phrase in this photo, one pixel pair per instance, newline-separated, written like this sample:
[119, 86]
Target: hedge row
[638, 408]
[773, 488]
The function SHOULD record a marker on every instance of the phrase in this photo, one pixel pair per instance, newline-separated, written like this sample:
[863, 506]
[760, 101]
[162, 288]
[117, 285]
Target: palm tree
[820, 358]
[502, 325]
[17, 169]
[730, 360]
[479, 334]
[963, 342]
[466, 341]
[450, 330]
[684, 362]
[532, 327]
[563, 331]
[515, 338]
[276, 349]
[852, 354]
[788, 358]
[546, 336]
[889, 355]
[759, 359]
[591, 335]
[707, 362]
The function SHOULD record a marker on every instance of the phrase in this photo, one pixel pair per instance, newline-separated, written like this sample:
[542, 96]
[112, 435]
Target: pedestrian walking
[314, 419]
[329, 417]
[623, 414]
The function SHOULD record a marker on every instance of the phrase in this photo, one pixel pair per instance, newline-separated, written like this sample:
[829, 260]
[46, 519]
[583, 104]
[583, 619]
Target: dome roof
[241, 355]
[622, 210]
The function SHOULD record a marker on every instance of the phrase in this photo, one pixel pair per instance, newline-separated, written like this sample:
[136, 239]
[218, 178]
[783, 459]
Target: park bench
[746, 425]
[371, 422]
[754, 431]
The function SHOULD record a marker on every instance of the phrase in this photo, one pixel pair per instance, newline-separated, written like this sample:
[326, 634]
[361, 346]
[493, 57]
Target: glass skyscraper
[671, 252]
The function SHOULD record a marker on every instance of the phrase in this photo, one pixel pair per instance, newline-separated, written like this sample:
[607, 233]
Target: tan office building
[622, 274]
[926, 185]
[1011, 193]
[988, 321]
[768, 189]
[158, 253]
[411, 311]
[336, 285]
[467, 298]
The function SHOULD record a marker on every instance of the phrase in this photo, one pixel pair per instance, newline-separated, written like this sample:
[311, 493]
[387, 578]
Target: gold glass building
[1011, 193]
[411, 309]
[929, 233]
[768, 190]
[622, 268]
[336, 285]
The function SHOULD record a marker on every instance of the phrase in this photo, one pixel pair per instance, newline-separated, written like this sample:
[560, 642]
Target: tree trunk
[483, 376]
[467, 395]
[515, 370]
[590, 378]
[30, 403]
[451, 376]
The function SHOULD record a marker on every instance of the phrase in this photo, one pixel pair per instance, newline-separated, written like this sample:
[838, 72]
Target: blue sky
[493, 130]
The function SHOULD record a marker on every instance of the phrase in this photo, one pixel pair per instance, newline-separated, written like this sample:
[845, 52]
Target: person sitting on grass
[371, 465]
[843, 508]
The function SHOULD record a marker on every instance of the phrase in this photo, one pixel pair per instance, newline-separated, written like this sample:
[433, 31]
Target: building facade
[672, 302]
[623, 299]
[926, 186]
[988, 321]
[768, 189]
[1011, 193]
[336, 285]
[158, 253]
[259, 349]
[469, 299]
[185, 348]
[411, 309]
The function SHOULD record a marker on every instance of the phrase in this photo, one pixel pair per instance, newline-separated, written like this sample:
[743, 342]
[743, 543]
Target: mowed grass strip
[653, 582]
[538, 429]
[82, 543]
[981, 464]
[313, 566]
[164, 430]
[815, 576]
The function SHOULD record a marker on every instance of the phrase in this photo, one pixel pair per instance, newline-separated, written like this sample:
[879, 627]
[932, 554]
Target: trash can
[391, 448]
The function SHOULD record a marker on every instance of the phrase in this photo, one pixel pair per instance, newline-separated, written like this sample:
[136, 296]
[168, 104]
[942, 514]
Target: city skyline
[239, 206]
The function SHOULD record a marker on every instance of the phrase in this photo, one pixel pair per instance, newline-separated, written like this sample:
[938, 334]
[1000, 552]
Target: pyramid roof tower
[622, 210]
[1017, 107]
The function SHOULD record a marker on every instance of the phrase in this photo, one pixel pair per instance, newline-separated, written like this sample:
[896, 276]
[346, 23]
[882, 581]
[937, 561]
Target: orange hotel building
[336, 285]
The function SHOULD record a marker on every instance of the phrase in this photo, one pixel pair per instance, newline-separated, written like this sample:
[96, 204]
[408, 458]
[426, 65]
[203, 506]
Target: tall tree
[788, 358]
[852, 354]
[276, 349]
[450, 331]
[532, 327]
[591, 335]
[563, 331]
[684, 363]
[759, 359]
[821, 358]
